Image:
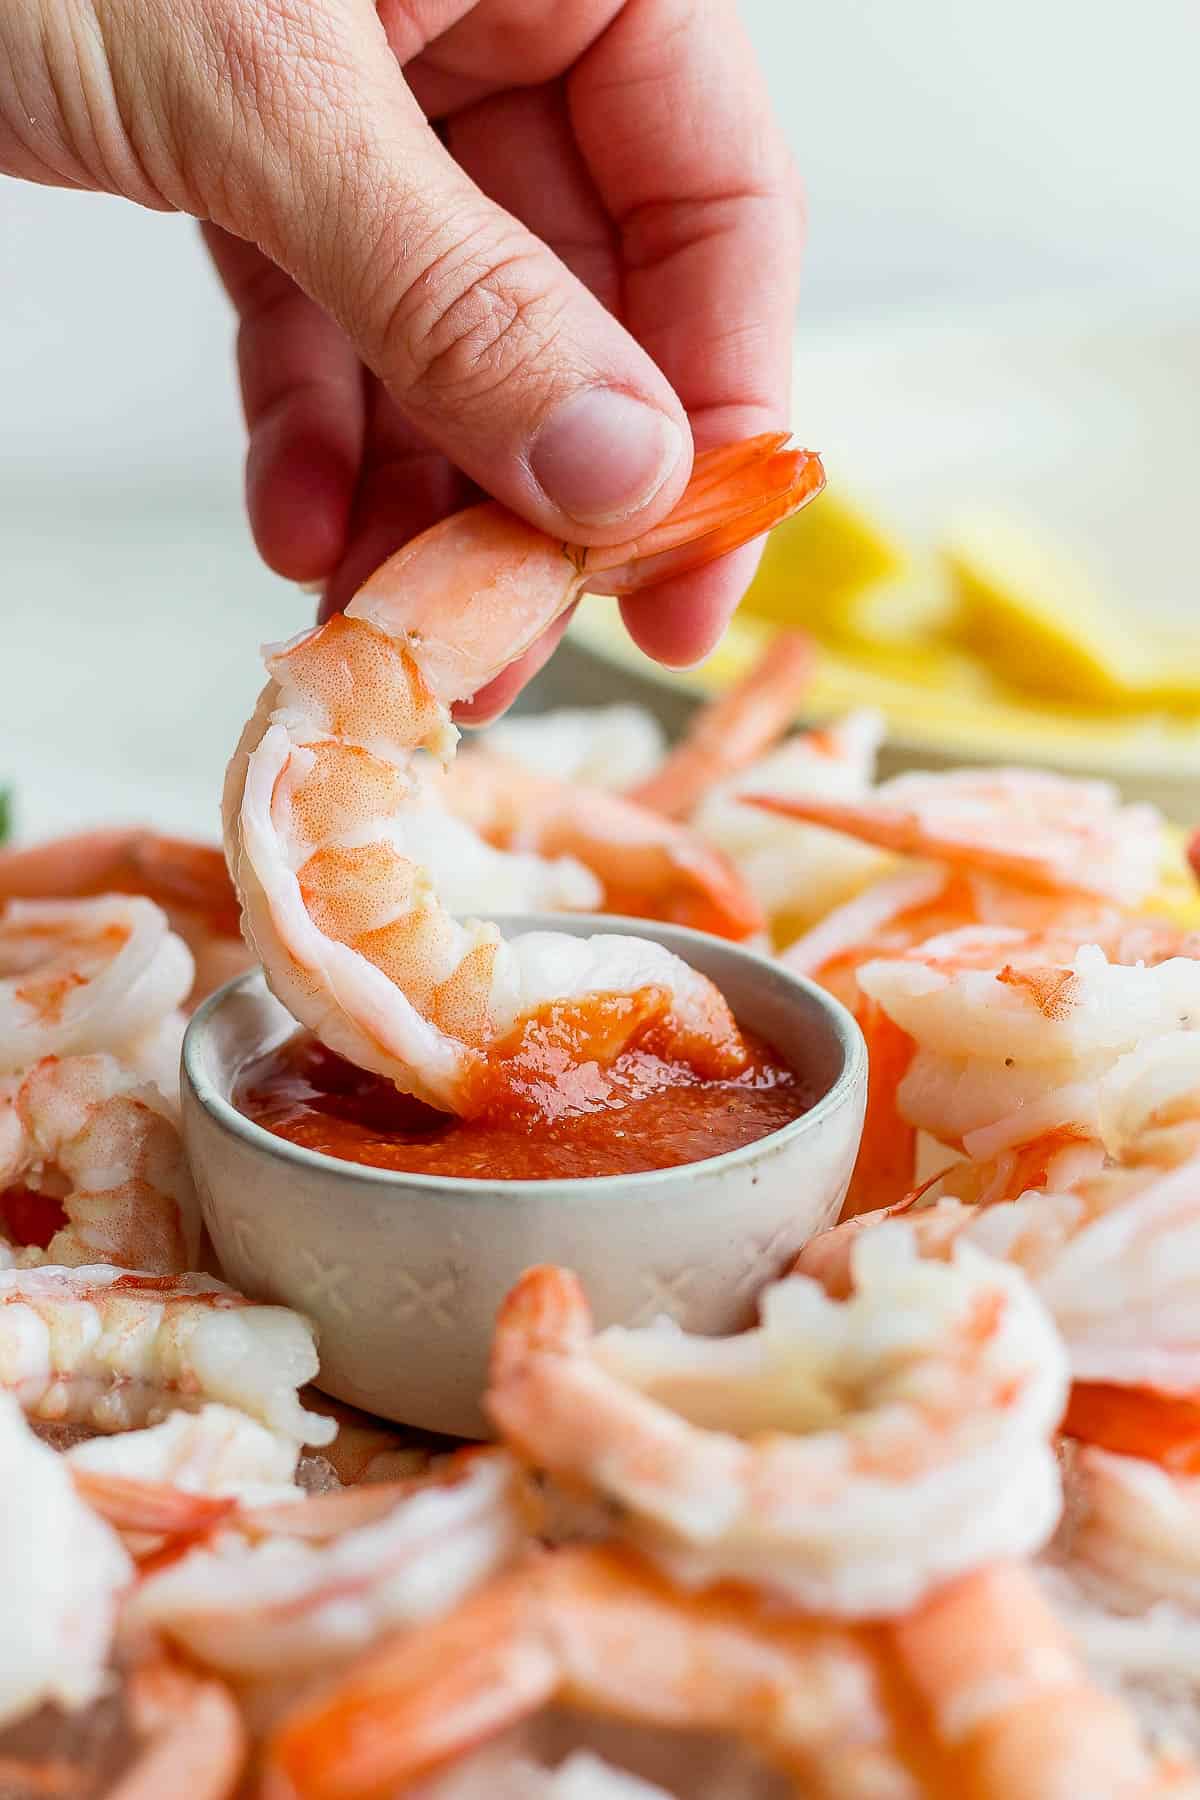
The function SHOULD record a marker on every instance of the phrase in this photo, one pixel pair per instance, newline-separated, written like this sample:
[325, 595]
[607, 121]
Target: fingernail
[603, 455]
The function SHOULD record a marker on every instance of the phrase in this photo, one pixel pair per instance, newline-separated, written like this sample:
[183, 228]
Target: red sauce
[30, 1217]
[643, 1111]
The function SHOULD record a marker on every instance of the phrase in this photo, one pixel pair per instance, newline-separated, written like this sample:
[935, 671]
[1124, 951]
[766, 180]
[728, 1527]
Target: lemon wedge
[817, 563]
[1035, 616]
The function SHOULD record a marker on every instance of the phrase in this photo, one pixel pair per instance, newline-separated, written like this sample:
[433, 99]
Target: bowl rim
[841, 1092]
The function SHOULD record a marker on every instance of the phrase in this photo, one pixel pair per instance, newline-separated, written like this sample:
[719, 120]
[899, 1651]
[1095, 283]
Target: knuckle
[475, 318]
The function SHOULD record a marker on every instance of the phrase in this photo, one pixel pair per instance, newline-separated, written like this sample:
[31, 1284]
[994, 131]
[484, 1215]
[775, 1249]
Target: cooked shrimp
[647, 866]
[1124, 1571]
[1010, 1704]
[188, 880]
[885, 1166]
[1112, 1260]
[977, 1694]
[300, 1588]
[115, 1350]
[194, 1739]
[505, 1776]
[1150, 1102]
[610, 747]
[1034, 829]
[734, 730]
[849, 1455]
[63, 1571]
[597, 1630]
[83, 975]
[350, 930]
[93, 1167]
[1010, 1045]
[1136, 1530]
[216, 1450]
[469, 871]
[798, 872]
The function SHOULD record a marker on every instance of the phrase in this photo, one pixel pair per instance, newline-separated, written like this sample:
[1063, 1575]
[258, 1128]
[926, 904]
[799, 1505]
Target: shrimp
[348, 925]
[1007, 1698]
[798, 873]
[84, 975]
[1136, 1531]
[611, 747]
[63, 1574]
[188, 880]
[297, 1589]
[647, 867]
[1036, 830]
[1125, 1572]
[116, 1350]
[1150, 1103]
[470, 871]
[1010, 1045]
[217, 1451]
[599, 1631]
[194, 1739]
[848, 1455]
[92, 1167]
[581, 1776]
[1111, 1259]
[977, 1694]
[734, 730]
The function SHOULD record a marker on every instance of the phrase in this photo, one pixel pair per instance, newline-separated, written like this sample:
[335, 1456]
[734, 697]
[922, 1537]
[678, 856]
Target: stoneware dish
[402, 1274]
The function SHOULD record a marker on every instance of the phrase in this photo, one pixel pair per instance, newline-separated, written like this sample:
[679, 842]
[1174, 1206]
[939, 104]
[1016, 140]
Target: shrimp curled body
[84, 1135]
[329, 779]
[847, 1455]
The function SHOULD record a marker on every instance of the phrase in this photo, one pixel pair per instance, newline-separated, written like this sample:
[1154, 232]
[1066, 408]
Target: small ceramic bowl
[402, 1274]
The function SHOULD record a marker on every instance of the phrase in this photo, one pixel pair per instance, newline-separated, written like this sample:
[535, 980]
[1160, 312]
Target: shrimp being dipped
[350, 929]
[84, 975]
[92, 1169]
[977, 1694]
[113, 1350]
[848, 1455]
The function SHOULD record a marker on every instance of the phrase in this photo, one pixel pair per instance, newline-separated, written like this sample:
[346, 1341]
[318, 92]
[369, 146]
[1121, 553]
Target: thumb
[484, 340]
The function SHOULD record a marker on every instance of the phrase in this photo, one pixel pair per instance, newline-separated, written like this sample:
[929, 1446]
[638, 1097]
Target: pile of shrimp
[929, 1531]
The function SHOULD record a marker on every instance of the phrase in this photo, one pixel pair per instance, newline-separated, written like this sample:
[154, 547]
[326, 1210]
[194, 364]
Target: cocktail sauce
[641, 1112]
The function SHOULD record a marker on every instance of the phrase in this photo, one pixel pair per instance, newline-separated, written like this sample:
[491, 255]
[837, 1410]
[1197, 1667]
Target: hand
[586, 268]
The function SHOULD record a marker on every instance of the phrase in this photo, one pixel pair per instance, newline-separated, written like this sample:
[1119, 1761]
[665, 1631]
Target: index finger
[672, 114]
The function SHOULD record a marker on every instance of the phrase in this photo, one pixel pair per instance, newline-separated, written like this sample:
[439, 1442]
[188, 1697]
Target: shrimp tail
[546, 1310]
[412, 1702]
[733, 730]
[150, 1506]
[736, 493]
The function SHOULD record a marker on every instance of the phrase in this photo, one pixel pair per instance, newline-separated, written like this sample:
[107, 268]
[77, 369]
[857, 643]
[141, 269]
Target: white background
[956, 154]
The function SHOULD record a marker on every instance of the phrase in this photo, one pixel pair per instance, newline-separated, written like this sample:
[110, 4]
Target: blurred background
[1000, 310]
